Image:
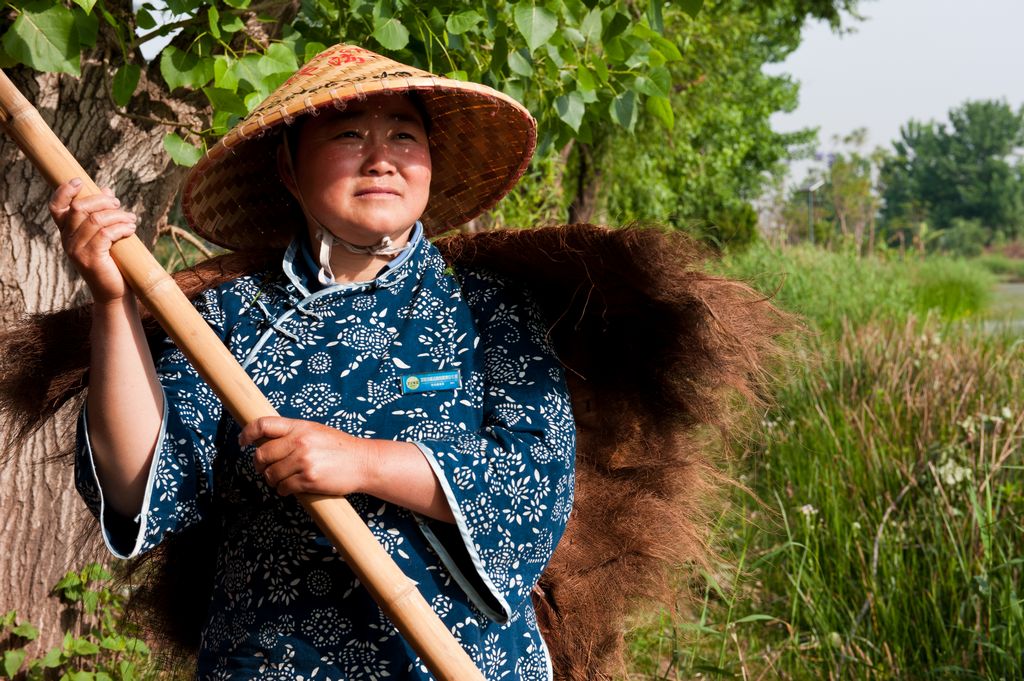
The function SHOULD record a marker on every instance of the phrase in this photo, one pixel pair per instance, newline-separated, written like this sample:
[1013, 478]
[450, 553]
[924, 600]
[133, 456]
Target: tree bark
[43, 523]
[587, 177]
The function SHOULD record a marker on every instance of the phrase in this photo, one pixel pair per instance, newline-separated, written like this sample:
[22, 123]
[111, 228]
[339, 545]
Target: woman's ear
[284, 167]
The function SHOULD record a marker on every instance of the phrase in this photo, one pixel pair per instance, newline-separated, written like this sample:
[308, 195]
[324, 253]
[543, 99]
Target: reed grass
[887, 538]
[880, 535]
[832, 288]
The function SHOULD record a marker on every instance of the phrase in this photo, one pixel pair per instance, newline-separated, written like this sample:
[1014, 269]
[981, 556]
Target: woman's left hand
[304, 456]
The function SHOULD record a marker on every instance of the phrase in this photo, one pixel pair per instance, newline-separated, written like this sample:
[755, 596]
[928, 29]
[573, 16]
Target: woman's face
[364, 172]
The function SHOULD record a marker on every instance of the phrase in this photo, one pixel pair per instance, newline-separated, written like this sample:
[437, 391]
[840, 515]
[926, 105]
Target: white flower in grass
[952, 473]
[808, 511]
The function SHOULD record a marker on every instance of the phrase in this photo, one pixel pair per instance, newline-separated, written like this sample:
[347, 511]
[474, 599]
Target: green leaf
[83, 646]
[94, 571]
[601, 69]
[223, 75]
[52, 658]
[225, 100]
[248, 69]
[514, 88]
[238, 4]
[233, 24]
[144, 20]
[654, 16]
[668, 48]
[657, 83]
[554, 55]
[252, 100]
[81, 676]
[180, 151]
[616, 27]
[90, 599]
[585, 80]
[311, 50]
[591, 25]
[12, 662]
[115, 643]
[391, 34]
[457, 75]
[185, 69]
[125, 81]
[570, 109]
[46, 41]
[655, 58]
[535, 24]
[86, 5]
[499, 56]
[458, 24]
[213, 19]
[137, 646]
[623, 110]
[574, 36]
[279, 59]
[9, 619]
[519, 64]
[87, 27]
[691, 7]
[127, 670]
[661, 109]
[26, 630]
[6, 60]
[756, 618]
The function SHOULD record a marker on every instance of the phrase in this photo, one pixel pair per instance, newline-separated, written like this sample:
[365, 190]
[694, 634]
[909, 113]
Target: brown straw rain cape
[659, 355]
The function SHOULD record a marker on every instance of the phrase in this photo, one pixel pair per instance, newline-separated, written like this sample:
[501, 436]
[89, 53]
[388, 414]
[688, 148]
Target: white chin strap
[329, 241]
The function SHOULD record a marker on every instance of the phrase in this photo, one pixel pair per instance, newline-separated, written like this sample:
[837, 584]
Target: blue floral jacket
[456, 362]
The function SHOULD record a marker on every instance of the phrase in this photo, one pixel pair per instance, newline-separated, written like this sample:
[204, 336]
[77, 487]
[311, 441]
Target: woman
[430, 396]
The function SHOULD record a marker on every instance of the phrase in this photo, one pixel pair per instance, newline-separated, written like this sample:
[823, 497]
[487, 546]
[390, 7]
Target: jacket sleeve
[510, 483]
[180, 480]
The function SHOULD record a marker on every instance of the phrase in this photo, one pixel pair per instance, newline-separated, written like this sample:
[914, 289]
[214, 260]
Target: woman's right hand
[89, 226]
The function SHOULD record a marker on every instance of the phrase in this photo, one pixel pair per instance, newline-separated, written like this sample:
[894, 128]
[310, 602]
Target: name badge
[438, 380]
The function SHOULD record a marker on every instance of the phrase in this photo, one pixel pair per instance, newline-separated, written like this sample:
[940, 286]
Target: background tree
[963, 173]
[847, 203]
[586, 70]
[719, 152]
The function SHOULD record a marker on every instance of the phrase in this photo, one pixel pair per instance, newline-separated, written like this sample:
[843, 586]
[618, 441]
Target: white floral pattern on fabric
[502, 445]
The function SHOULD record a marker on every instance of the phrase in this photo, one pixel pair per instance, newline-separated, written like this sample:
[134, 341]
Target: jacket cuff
[454, 545]
[124, 537]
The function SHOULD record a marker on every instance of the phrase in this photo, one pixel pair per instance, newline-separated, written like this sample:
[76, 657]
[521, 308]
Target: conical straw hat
[481, 142]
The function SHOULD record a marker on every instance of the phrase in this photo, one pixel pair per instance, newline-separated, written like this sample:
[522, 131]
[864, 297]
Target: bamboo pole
[395, 593]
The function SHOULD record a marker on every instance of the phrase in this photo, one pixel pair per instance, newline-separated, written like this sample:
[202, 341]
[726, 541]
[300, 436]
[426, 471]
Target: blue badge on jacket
[438, 380]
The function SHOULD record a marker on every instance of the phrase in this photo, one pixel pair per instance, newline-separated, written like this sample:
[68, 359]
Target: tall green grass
[830, 288]
[881, 532]
[1011, 269]
[890, 542]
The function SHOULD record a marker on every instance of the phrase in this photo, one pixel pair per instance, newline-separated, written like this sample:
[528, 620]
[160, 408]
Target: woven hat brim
[481, 142]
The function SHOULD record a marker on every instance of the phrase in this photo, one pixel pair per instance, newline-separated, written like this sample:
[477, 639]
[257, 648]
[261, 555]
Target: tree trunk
[41, 519]
[587, 177]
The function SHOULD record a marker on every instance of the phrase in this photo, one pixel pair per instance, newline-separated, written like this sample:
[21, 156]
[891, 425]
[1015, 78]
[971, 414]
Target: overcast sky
[907, 59]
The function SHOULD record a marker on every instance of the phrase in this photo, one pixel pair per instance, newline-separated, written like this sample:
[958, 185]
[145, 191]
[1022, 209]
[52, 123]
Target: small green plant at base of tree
[102, 647]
